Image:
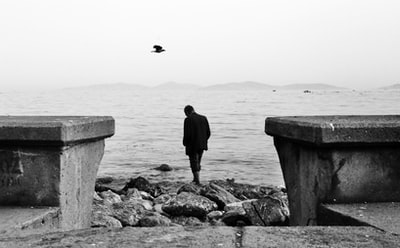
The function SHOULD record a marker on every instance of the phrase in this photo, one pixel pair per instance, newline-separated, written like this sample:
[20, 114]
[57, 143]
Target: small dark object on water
[164, 167]
[307, 91]
[158, 49]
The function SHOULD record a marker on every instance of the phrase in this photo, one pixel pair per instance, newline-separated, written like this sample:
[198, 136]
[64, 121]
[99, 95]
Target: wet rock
[110, 197]
[154, 219]
[189, 204]
[267, 211]
[190, 188]
[101, 215]
[218, 195]
[128, 213]
[164, 167]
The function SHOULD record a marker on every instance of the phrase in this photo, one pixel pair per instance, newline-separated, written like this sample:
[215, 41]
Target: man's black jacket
[196, 132]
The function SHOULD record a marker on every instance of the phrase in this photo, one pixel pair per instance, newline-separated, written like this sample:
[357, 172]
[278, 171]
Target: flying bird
[158, 49]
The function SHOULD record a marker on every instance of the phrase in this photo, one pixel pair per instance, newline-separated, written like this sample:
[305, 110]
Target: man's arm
[186, 132]
[208, 129]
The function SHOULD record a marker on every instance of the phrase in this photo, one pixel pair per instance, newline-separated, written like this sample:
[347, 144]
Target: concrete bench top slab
[382, 215]
[54, 130]
[336, 129]
[15, 219]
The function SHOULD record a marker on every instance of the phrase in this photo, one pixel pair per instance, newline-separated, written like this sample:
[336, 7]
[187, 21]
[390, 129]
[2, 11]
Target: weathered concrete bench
[336, 159]
[48, 167]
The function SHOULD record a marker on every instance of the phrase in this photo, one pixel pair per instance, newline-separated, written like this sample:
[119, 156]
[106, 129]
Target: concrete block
[345, 159]
[52, 161]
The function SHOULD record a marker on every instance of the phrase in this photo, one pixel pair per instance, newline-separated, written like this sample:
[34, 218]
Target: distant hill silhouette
[114, 86]
[311, 87]
[176, 86]
[249, 85]
[390, 87]
[260, 86]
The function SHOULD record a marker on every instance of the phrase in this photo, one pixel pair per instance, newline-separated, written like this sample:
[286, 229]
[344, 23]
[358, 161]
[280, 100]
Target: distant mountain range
[248, 85]
[391, 87]
[235, 86]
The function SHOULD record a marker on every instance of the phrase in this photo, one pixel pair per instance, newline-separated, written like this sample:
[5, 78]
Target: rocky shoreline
[140, 203]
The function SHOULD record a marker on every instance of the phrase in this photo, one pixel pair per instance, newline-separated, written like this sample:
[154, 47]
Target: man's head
[188, 110]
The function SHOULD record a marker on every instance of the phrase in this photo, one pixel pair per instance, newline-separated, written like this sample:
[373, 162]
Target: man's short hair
[188, 109]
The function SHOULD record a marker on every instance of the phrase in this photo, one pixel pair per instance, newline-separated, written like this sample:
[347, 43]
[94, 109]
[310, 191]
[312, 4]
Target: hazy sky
[351, 43]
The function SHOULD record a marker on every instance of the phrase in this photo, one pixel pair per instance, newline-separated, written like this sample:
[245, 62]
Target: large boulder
[109, 197]
[235, 217]
[235, 214]
[267, 211]
[218, 195]
[247, 191]
[128, 213]
[189, 204]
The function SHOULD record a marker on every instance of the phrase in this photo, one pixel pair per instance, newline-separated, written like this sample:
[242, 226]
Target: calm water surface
[149, 125]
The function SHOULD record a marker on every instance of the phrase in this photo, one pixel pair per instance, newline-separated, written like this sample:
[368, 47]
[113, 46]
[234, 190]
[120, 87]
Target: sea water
[149, 125]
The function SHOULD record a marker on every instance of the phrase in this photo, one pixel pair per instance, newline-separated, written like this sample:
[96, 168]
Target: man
[196, 133]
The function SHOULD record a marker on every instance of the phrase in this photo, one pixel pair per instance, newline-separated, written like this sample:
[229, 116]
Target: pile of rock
[141, 203]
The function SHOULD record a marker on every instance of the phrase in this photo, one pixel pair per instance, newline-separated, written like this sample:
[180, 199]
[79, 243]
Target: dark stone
[189, 204]
[143, 184]
[267, 211]
[140, 183]
[104, 180]
[218, 195]
[235, 218]
[164, 167]
[110, 183]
